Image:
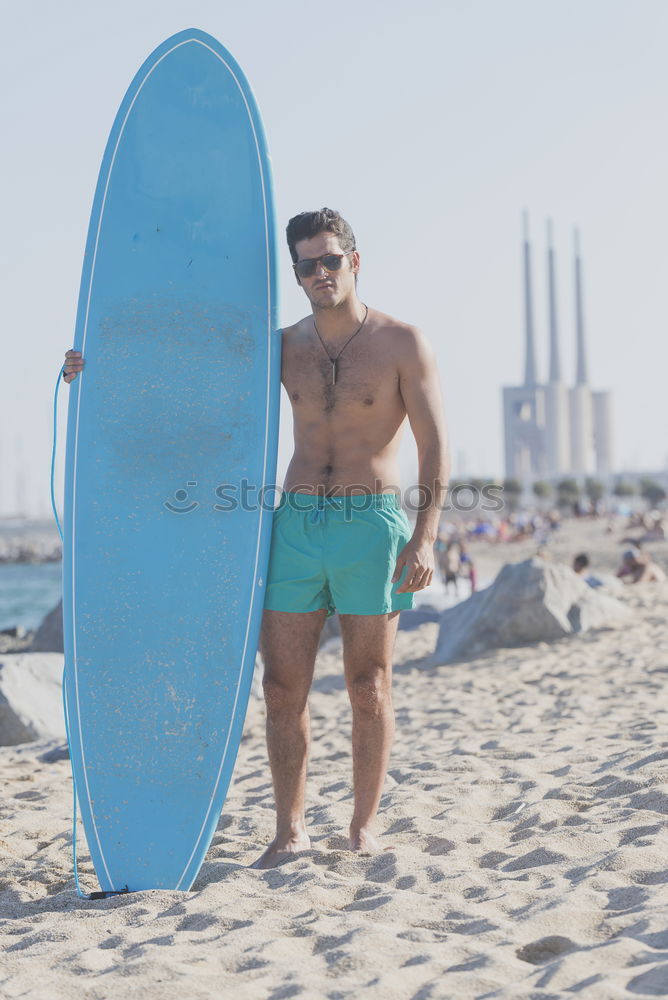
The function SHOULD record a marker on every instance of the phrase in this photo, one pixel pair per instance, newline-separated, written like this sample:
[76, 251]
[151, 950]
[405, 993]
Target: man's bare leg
[368, 643]
[288, 643]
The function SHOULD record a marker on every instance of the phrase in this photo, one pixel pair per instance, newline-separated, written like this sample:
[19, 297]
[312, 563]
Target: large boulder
[530, 601]
[49, 635]
[31, 702]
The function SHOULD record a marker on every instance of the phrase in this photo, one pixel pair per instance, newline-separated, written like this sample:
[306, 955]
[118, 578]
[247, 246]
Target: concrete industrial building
[551, 431]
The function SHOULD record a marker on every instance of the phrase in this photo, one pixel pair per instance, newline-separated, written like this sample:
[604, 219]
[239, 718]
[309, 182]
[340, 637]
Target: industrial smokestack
[581, 371]
[530, 352]
[555, 364]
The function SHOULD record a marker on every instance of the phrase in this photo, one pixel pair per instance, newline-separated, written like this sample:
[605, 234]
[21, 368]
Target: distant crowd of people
[514, 527]
[651, 523]
[454, 560]
[636, 565]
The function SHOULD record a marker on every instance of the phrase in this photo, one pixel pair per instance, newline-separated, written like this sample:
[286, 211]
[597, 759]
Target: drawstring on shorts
[317, 515]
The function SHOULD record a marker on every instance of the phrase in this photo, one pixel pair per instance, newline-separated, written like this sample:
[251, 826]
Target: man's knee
[370, 692]
[283, 696]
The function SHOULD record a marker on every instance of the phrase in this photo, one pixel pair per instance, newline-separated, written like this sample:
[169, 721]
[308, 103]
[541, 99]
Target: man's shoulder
[295, 328]
[406, 339]
[390, 324]
[409, 342]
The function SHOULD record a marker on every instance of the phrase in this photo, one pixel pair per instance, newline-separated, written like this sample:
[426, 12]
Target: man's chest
[363, 374]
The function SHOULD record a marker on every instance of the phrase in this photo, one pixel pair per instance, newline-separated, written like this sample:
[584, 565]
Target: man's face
[327, 289]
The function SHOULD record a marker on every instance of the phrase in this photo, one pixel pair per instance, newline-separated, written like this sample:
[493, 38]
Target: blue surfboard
[172, 437]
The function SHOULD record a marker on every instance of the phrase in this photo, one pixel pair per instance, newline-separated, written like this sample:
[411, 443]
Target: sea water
[28, 591]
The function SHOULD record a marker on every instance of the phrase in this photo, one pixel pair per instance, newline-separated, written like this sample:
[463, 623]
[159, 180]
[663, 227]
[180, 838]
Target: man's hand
[73, 365]
[418, 556]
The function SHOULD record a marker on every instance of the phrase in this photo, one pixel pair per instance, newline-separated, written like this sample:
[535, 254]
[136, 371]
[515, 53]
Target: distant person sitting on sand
[639, 567]
[581, 567]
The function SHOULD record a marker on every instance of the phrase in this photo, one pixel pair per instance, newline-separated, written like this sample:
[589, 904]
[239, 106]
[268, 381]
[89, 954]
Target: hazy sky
[430, 126]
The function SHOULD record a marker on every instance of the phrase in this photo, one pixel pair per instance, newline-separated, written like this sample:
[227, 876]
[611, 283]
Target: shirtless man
[340, 538]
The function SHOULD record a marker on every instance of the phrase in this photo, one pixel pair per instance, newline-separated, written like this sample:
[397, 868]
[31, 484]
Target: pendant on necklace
[333, 360]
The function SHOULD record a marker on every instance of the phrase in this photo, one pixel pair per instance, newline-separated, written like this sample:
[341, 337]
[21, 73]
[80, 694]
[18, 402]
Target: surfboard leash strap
[53, 451]
[80, 893]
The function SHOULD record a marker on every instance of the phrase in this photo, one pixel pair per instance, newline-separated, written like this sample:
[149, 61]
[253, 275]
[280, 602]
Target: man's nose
[320, 269]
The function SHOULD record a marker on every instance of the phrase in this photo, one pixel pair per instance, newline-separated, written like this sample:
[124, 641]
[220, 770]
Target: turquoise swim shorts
[337, 553]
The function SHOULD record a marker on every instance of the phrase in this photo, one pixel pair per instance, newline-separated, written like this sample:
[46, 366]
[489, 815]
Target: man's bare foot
[364, 842]
[280, 851]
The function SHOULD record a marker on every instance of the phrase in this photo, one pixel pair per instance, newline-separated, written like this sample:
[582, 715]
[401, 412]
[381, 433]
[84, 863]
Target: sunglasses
[330, 261]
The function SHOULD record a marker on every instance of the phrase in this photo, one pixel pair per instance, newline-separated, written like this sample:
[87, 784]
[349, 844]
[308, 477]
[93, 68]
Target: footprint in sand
[545, 949]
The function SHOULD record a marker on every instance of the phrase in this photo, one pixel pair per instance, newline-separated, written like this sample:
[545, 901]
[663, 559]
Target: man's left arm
[420, 388]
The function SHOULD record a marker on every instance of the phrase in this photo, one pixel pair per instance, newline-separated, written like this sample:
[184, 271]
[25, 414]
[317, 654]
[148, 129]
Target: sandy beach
[523, 820]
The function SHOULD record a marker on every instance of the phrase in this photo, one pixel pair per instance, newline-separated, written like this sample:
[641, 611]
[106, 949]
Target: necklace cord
[334, 360]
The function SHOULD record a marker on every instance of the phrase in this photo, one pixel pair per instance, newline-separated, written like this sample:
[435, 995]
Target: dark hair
[582, 559]
[308, 224]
